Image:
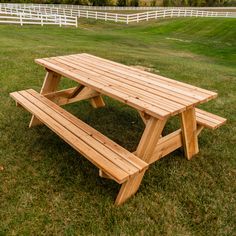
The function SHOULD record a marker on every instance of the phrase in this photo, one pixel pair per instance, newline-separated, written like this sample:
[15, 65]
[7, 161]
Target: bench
[208, 120]
[113, 160]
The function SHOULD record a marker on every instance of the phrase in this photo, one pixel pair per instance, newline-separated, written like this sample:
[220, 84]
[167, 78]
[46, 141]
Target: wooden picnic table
[155, 97]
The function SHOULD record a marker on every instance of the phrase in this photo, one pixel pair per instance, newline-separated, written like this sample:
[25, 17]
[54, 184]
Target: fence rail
[36, 19]
[69, 16]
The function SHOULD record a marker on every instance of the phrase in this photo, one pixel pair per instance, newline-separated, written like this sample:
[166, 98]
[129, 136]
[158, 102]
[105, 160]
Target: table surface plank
[153, 94]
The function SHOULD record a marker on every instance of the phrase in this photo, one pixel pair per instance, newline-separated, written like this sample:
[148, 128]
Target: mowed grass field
[47, 188]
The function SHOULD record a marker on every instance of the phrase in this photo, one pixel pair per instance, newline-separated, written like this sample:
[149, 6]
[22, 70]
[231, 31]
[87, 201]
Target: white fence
[112, 8]
[43, 14]
[107, 16]
[36, 18]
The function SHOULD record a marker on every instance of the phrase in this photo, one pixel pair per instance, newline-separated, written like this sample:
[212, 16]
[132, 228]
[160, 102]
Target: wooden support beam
[189, 132]
[97, 102]
[102, 174]
[76, 91]
[129, 188]
[166, 145]
[50, 84]
[145, 117]
[64, 96]
[149, 139]
[199, 129]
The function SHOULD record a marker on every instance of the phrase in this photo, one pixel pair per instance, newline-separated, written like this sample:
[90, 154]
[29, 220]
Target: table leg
[50, 84]
[189, 132]
[150, 137]
[129, 188]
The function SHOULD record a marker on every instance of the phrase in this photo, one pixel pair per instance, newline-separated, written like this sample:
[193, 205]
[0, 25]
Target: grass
[49, 189]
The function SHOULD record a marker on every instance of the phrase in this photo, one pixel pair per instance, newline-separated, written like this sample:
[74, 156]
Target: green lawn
[46, 188]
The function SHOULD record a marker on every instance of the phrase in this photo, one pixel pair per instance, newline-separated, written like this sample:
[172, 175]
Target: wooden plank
[122, 88]
[208, 119]
[189, 133]
[163, 79]
[149, 139]
[109, 91]
[132, 159]
[50, 84]
[187, 93]
[172, 83]
[158, 89]
[133, 89]
[141, 83]
[166, 145]
[93, 143]
[96, 158]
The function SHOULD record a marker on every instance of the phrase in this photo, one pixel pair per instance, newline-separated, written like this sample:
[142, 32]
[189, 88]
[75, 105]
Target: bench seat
[208, 119]
[108, 156]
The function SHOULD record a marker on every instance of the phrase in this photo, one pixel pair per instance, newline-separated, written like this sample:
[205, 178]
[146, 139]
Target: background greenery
[47, 188]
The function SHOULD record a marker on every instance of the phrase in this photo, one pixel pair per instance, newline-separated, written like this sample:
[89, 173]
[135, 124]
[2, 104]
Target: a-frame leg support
[129, 188]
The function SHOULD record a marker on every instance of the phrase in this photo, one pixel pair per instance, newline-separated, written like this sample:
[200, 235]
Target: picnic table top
[153, 94]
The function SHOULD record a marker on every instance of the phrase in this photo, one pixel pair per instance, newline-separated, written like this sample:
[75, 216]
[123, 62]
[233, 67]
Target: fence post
[106, 16]
[21, 23]
[86, 14]
[147, 17]
[60, 21]
[96, 15]
[164, 14]
[116, 18]
[41, 20]
[127, 19]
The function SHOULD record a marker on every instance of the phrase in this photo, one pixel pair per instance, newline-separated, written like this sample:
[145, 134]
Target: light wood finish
[129, 188]
[97, 102]
[101, 151]
[76, 91]
[155, 97]
[189, 133]
[149, 139]
[208, 119]
[199, 129]
[50, 84]
[152, 94]
[67, 96]
[145, 117]
[166, 145]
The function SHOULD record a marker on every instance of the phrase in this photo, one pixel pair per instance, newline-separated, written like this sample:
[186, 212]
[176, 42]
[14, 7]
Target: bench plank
[208, 119]
[119, 167]
[94, 133]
